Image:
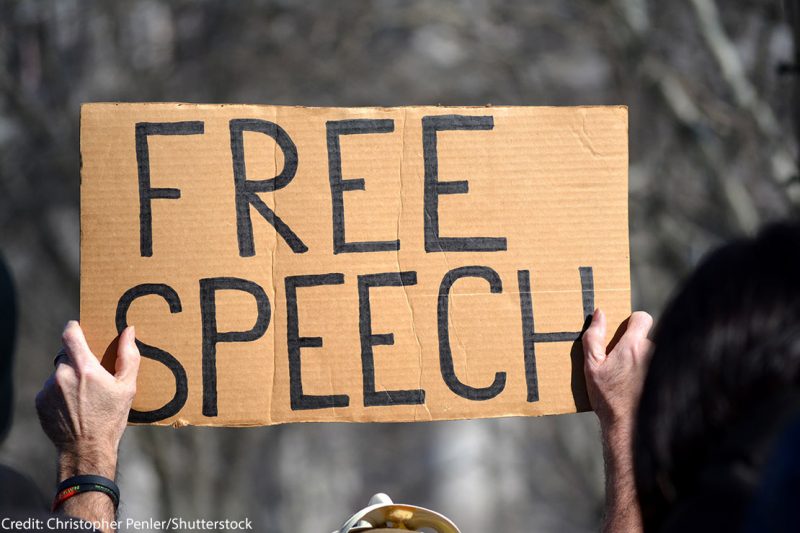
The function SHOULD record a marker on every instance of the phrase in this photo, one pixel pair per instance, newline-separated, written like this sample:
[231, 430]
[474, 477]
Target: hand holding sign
[615, 377]
[83, 407]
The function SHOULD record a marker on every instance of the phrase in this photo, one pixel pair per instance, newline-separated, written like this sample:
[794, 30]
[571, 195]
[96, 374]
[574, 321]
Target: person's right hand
[83, 408]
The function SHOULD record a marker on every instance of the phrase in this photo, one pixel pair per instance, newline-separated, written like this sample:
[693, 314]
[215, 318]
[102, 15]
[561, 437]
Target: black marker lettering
[335, 129]
[300, 401]
[370, 339]
[147, 193]
[246, 190]
[433, 187]
[529, 335]
[445, 354]
[173, 406]
[212, 336]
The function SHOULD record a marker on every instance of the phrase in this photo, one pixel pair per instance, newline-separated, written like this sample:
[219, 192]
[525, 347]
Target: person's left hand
[83, 408]
[614, 382]
[614, 379]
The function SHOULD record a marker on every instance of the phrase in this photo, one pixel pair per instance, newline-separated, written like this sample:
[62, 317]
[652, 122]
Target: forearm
[94, 507]
[622, 513]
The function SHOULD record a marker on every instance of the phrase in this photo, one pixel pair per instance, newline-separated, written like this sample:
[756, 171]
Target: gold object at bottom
[382, 515]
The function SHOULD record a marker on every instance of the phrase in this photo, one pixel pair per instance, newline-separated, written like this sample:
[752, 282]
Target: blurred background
[711, 91]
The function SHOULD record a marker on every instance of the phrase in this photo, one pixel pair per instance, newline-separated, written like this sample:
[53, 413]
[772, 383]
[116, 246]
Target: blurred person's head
[8, 326]
[723, 382]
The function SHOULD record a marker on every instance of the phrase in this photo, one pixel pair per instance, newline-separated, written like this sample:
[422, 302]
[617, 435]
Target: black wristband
[88, 483]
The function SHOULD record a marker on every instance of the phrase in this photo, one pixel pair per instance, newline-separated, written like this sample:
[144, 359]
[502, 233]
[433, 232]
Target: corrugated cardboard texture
[531, 209]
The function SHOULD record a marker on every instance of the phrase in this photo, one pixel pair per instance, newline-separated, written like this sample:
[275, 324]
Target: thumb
[594, 339]
[127, 365]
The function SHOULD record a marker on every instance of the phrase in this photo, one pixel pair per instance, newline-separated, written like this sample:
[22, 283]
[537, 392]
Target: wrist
[100, 462]
[618, 445]
[615, 422]
[617, 428]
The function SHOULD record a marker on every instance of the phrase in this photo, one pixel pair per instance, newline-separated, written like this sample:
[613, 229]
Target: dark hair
[727, 354]
[8, 327]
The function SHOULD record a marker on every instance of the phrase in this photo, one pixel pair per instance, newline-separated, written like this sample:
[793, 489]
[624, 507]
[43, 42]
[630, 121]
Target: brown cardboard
[551, 181]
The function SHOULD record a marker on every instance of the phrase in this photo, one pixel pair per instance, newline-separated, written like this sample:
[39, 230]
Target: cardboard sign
[288, 264]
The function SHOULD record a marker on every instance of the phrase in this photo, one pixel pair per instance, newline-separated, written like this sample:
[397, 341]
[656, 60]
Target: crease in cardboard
[584, 137]
[274, 264]
[404, 158]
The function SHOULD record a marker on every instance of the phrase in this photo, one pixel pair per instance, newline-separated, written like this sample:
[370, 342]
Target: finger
[594, 338]
[128, 358]
[76, 347]
[642, 322]
[65, 377]
[639, 325]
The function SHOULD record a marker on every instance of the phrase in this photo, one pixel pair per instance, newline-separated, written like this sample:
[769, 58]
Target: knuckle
[60, 374]
[68, 333]
[642, 318]
[590, 347]
[63, 377]
[590, 337]
[88, 373]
